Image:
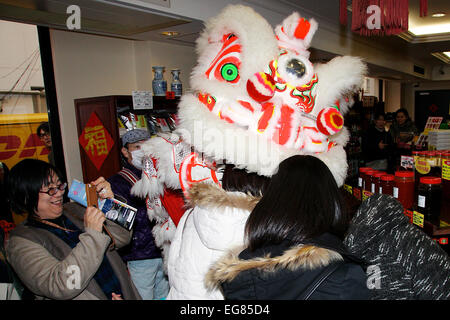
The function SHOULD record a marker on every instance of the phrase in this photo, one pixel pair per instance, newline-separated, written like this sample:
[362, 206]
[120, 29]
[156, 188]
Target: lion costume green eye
[229, 72]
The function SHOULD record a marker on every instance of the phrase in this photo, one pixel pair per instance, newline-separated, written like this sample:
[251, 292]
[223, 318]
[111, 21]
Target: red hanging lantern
[379, 17]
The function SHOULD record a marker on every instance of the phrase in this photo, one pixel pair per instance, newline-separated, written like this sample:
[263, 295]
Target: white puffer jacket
[204, 234]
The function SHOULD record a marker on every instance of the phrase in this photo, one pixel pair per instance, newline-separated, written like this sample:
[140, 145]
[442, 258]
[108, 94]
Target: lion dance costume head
[256, 100]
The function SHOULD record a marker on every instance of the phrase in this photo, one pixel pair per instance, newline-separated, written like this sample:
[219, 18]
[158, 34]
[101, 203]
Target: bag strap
[328, 270]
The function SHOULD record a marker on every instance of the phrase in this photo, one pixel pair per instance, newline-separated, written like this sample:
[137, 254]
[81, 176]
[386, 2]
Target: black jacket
[370, 144]
[286, 271]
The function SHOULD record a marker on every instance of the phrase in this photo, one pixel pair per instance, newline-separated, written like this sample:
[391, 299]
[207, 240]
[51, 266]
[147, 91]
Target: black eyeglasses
[52, 191]
[41, 135]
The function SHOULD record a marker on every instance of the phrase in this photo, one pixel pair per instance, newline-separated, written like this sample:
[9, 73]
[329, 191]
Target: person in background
[142, 255]
[294, 242]
[376, 144]
[6, 225]
[5, 213]
[61, 252]
[402, 132]
[43, 132]
[403, 129]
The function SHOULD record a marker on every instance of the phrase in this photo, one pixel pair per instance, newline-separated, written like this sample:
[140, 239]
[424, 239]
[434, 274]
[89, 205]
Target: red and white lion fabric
[258, 100]
[255, 100]
[160, 186]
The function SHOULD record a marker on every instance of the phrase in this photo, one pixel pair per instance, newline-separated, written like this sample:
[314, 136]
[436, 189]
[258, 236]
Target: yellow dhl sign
[18, 138]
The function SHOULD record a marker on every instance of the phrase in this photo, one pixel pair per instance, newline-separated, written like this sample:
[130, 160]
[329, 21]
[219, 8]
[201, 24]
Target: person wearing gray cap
[131, 146]
[142, 256]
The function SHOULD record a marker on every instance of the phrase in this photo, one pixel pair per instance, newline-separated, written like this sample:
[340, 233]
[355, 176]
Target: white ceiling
[99, 18]
[112, 18]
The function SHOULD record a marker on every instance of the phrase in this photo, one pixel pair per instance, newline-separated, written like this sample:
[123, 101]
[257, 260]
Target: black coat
[370, 144]
[286, 271]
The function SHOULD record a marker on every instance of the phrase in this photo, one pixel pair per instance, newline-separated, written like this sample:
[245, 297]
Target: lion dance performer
[256, 100]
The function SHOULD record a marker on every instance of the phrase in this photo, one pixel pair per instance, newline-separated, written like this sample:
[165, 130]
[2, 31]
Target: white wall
[89, 66]
[19, 59]
[150, 53]
[392, 98]
[441, 73]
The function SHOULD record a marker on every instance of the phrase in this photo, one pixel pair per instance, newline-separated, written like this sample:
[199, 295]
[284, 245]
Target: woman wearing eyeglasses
[61, 252]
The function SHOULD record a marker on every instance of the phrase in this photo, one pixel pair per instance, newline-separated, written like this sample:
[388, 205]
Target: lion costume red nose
[261, 87]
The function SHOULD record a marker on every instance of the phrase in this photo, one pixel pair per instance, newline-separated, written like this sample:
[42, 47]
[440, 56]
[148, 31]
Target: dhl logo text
[13, 144]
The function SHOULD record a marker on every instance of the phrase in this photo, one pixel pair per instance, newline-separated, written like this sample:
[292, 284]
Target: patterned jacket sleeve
[410, 264]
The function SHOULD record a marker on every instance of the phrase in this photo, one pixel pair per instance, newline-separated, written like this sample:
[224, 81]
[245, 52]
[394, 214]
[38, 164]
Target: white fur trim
[338, 77]
[163, 234]
[341, 137]
[150, 187]
[287, 38]
[336, 160]
[162, 150]
[157, 213]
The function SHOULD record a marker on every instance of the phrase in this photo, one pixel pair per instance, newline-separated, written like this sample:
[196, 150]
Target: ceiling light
[438, 15]
[430, 29]
[170, 33]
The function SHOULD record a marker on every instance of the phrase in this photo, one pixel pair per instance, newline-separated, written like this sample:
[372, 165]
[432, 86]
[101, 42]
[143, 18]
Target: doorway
[430, 103]
[29, 120]
[28, 96]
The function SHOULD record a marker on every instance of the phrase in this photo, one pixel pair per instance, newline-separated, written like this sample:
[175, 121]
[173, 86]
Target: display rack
[98, 118]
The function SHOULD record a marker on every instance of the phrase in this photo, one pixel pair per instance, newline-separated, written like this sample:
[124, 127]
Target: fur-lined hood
[306, 257]
[211, 196]
[219, 216]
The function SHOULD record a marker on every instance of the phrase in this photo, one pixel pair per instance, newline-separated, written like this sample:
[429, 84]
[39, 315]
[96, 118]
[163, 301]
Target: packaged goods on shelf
[439, 139]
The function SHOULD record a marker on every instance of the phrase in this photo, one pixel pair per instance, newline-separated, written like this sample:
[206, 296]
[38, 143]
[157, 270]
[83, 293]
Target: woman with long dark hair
[294, 242]
[403, 129]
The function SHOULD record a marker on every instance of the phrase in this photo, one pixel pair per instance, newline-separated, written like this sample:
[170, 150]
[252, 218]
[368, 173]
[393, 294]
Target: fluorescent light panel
[431, 29]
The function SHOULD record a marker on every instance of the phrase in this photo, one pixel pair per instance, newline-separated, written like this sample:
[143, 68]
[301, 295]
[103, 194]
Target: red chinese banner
[96, 141]
[379, 17]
